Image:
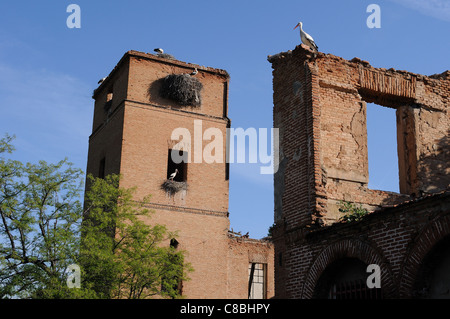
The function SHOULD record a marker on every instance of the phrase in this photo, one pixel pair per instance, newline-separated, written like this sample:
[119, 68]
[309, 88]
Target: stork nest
[182, 88]
[165, 56]
[173, 187]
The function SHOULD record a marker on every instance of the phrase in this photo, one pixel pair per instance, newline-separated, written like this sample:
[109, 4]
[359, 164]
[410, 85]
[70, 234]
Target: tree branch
[5, 224]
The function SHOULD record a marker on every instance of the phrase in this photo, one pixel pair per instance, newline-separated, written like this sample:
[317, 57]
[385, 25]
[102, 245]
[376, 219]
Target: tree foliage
[40, 214]
[123, 257]
[44, 228]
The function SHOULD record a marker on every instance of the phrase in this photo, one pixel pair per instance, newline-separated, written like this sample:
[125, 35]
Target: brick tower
[131, 135]
[135, 129]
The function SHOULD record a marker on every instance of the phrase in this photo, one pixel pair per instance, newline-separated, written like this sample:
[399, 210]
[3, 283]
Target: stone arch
[348, 248]
[434, 232]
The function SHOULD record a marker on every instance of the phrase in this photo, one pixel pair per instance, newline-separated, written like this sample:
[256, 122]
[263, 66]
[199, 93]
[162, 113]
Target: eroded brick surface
[320, 109]
[133, 134]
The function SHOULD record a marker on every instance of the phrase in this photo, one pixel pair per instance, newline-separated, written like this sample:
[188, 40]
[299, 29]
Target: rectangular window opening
[257, 281]
[109, 100]
[177, 164]
[382, 148]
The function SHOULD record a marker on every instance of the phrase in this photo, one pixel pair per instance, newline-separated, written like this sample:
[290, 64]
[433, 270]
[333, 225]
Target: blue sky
[48, 71]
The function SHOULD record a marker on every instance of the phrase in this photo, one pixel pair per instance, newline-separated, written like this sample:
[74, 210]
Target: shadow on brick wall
[434, 169]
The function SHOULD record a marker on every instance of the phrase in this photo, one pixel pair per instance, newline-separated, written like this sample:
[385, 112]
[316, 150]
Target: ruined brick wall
[294, 191]
[320, 109]
[293, 115]
[397, 239]
[133, 133]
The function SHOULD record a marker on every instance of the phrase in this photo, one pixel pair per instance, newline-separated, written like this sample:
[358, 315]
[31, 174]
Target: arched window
[345, 278]
[433, 278]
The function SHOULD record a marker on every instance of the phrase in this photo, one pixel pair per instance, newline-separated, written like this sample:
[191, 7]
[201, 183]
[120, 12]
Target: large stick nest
[173, 187]
[182, 88]
[166, 56]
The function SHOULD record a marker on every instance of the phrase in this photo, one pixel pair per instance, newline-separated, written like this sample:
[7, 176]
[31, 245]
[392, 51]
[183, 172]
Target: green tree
[122, 256]
[40, 213]
[44, 229]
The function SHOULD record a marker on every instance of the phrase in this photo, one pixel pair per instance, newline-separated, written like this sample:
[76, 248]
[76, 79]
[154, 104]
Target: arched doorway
[345, 279]
[433, 277]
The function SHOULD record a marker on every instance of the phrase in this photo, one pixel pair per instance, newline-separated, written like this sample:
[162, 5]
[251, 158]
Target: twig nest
[173, 187]
[182, 88]
[166, 56]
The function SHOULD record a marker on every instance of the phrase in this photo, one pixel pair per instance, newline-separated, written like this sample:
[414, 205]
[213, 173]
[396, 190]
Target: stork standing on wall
[306, 38]
[172, 176]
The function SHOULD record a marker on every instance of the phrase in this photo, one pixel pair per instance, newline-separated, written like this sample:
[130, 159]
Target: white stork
[102, 80]
[194, 72]
[172, 176]
[159, 50]
[306, 38]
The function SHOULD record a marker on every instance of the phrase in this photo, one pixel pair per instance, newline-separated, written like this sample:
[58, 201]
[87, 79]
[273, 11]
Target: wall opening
[109, 100]
[109, 96]
[177, 165]
[257, 281]
[382, 148]
[433, 278]
[345, 279]
[101, 168]
[174, 243]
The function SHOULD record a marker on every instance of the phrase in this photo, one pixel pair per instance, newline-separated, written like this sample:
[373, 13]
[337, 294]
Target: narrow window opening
[382, 148]
[174, 243]
[109, 96]
[225, 99]
[257, 281]
[177, 165]
[108, 102]
[101, 169]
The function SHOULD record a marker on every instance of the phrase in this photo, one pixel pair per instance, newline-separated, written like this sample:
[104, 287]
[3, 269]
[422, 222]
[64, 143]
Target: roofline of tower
[150, 56]
[311, 55]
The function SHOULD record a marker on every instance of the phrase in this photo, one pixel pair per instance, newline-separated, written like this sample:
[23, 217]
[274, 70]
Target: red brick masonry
[320, 109]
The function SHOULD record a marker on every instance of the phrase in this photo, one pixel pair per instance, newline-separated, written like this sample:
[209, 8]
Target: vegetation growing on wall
[352, 212]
